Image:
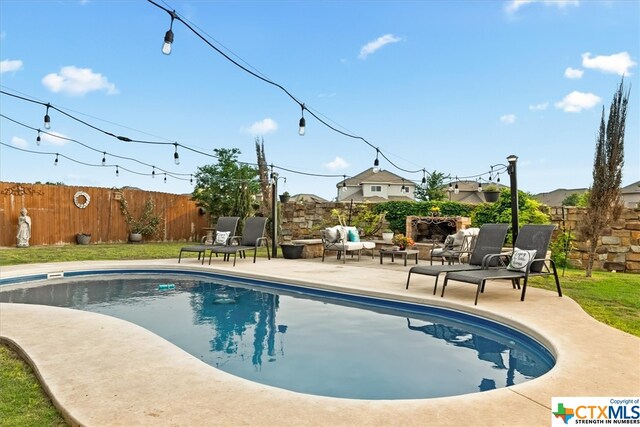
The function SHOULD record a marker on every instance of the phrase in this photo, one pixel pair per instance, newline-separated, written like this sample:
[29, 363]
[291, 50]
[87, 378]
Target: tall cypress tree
[604, 205]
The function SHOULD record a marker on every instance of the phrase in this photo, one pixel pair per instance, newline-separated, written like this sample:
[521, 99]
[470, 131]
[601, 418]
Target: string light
[153, 172]
[403, 188]
[117, 171]
[38, 139]
[104, 158]
[376, 163]
[456, 190]
[479, 187]
[55, 162]
[344, 184]
[47, 119]
[302, 124]
[168, 36]
[191, 179]
[176, 156]
[165, 178]
[424, 177]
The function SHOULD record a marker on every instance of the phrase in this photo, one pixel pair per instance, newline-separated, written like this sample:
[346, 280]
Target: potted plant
[148, 223]
[403, 242]
[83, 238]
[491, 193]
[284, 197]
[387, 235]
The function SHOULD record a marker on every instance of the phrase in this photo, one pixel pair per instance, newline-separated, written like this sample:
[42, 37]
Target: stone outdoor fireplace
[429, 229]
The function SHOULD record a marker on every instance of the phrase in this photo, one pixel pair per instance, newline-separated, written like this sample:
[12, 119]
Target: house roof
[358, 196]
[555, 197]
[633, 188]
[308, 197]
[468, 191]
[369, 177]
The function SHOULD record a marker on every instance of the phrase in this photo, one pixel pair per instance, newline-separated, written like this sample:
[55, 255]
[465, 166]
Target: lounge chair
[530, 237]
[225, 224]
[336, 239]
[456, 247]
[252, 238]
[488, 242]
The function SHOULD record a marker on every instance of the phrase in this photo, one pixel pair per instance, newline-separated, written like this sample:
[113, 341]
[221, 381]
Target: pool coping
[583, 367]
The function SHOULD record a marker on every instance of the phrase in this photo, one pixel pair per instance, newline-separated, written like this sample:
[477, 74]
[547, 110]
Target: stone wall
[618, 248]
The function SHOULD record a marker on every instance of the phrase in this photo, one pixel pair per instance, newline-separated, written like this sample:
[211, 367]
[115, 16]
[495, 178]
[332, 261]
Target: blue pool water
[318, 344]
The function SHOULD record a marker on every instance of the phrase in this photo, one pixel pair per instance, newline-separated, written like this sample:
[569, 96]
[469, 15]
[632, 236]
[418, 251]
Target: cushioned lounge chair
[530, 237]
[252, 238]
[488, 242]
[456, 248]
[225, 224]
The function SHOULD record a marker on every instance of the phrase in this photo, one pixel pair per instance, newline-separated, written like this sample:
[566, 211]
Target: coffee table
[403, 253]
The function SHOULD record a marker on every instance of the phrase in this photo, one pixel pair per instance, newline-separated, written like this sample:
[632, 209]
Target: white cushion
[520, 259]
[221, 237]
[368, 245]
[351, 246]
[331, 234]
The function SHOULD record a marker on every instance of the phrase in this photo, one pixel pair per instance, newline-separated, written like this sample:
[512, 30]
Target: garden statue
[24, 229]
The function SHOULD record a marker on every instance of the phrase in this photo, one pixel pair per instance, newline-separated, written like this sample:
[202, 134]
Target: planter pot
[135, 237]
[83, 239]
[283, 198]
[491, 196]
[291, 251]
[387, 237]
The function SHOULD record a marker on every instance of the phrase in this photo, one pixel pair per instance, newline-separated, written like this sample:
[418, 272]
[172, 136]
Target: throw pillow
[353, 235]
[221, 237]
[342, 234]
[520, 259]
[331, 234]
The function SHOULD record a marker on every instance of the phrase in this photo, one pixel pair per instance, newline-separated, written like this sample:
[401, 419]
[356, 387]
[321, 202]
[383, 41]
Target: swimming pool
[311, 341]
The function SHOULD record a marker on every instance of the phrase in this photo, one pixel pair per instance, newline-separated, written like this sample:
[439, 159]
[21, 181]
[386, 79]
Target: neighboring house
[631, 195]
[555, 197]
[306, 197]
[467, 191]
[383, 186]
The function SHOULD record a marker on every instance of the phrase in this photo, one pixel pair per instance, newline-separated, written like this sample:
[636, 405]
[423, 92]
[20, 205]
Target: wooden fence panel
[56, 219]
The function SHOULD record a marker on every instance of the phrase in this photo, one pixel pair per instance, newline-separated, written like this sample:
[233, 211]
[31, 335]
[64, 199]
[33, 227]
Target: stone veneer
[618, 248]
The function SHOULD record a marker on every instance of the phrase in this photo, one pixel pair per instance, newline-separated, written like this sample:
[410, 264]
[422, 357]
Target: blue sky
[436, 85]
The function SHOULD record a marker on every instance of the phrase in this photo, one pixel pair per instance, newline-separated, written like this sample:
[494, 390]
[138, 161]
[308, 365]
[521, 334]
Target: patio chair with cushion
[252, 238]
[489, 241]
[225, 228]
[456, 247]
[528, 259]
[337, 239]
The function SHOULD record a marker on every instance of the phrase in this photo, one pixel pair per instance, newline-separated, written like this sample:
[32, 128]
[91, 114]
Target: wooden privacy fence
[56, 219]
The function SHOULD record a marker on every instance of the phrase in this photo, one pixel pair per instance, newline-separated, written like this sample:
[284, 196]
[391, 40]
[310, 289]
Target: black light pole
[274, 214]
[511, 170]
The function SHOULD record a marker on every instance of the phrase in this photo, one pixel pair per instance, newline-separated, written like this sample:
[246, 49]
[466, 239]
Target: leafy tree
[226, 188]
[433, 188]
[576, 199]
[263, 173]
[604, 205]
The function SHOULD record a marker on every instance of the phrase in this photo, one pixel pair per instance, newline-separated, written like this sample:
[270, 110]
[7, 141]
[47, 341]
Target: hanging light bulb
[424, 177]
[344, 184]
[117, 171]
[302, 125]
[450, 188]
[47, 119]
[168, 36]
[456, 190]
[403, 188]
[38, 139]
[376, 163]
[479, 187]
[176, 156]
[104, 158]
[498, 179]
[191, 179]
[165, 178]
[153, 172]
[55, 162]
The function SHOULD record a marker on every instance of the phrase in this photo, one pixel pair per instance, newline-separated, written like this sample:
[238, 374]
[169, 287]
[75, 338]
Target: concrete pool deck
[102, 371]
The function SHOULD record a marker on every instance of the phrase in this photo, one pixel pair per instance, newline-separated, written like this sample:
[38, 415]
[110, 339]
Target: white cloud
[618, 63]
[577, 101]
[50, 138]
[512, 6]
[539, 107]
[573, 73]
[263, 127]
[508, 119]
[373, 46]
[19, 142]
[9, 65]
[337, 163]
[76, 81]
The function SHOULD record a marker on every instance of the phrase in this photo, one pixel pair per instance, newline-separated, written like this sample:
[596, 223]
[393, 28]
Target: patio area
[104, 371]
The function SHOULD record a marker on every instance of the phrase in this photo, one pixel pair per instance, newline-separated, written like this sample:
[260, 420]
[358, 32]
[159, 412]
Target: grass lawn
[22, 401]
